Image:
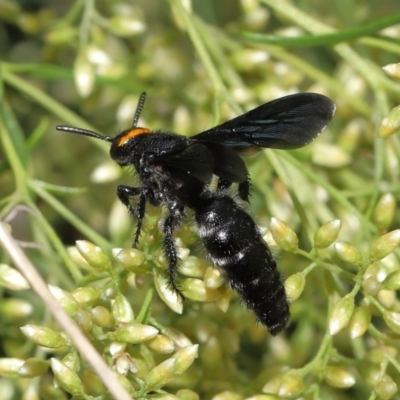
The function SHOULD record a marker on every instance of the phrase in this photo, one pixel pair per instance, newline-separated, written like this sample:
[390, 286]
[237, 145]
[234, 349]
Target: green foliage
[333, 203]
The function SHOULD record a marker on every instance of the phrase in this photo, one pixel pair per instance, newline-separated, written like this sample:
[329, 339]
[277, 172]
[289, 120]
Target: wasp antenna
[85, 132]
[139, 109]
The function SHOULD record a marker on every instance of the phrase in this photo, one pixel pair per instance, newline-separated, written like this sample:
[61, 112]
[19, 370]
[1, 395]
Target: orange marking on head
[132, 133]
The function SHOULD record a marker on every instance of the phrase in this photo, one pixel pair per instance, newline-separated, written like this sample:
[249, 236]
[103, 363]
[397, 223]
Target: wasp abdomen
[235, 245]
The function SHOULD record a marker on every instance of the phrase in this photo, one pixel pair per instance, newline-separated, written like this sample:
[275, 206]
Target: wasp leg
[244, 189]
[172, 221]
[223, 186]
[124, 193]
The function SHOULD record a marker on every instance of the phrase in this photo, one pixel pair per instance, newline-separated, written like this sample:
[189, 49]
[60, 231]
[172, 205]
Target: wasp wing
[285, 123]
[195, 159]
[228, 164]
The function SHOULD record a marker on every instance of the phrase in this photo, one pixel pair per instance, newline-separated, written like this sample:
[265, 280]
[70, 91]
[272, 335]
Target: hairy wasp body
[176, 171]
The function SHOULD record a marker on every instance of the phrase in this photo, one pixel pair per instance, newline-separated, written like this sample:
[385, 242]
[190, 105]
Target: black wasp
[175, 171]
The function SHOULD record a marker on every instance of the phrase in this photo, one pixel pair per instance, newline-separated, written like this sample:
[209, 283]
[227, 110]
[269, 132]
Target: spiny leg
[172, 221]
[243, 188]
[124, 193]
[139, 213]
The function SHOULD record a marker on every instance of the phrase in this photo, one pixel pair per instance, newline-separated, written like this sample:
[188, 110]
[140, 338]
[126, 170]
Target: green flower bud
[349, 254]
[125, 383]
[94, 255]
[339, 377]
[349, 138]
[33, 367]
[86, 296]
[160, 375]
[71, 360]
[84, 320]
[116, 348]
[386, 388]
[292, 384]
[329, 155]
[390, 125]
[284, 236]
[133, 333]
[110, 293]
[121, 309]
[392, 320]
[393, 70]
[9, 367]
[371, 286]
[369, 372]
[285, 385]
[224, 298]
[11, 279]
[67, 378]
[187, 394]
[359, 322]
[65, 300]
[185, 357]
[78, 259]
[132, 260]
[254, 57]
[15, 309]
[60, 35]
[102, 317]
[179, 339]
[107, 172]
[327, 234]
[213, 278]
[125, 26]
[161, 344]
[195, 289]
[384, 245]
[294, 286]
[92, 384]
[341, 314]
[384, 211]
[375, 355]
[272, 386]
[392, 281]
[44, 336]
[167, 295]
[387, 298]
[84, 74]
[193, 267]
[124, 363]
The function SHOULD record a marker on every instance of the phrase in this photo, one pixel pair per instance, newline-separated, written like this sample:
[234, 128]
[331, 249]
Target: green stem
[85, 25]
[336, 194]
[280, 169]
[145, 310]
[371, 73]
[49, 103]
[344, 35]
[379, 153]
[17, 167]
[69, 216]
[193, 31]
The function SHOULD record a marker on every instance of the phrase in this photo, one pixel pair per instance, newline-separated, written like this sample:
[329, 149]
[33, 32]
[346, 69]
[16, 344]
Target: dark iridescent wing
[228, 164]
[286, 123]
[195, 159]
